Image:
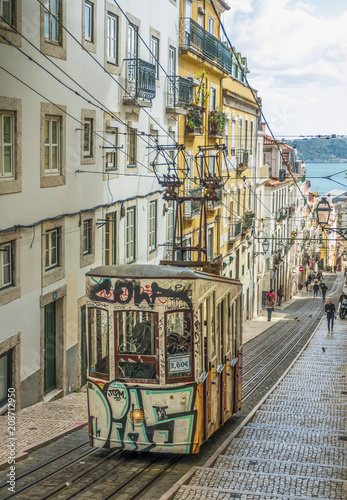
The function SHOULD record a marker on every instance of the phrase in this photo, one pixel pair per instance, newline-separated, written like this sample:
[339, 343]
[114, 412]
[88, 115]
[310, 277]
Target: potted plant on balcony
[192, 123]
[202, 95]
[217, 121]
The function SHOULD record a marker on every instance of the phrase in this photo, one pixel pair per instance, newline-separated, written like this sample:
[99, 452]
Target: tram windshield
[136, 332]
[98, 342]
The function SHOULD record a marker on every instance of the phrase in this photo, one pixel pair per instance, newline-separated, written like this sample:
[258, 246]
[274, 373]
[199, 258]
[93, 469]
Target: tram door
[204, 315]
[221, 309]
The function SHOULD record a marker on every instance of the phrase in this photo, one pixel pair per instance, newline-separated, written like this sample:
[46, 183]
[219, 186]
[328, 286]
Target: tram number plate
[179, 364]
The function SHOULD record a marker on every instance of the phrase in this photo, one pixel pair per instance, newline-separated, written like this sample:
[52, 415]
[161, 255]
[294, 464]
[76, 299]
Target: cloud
[295, 54]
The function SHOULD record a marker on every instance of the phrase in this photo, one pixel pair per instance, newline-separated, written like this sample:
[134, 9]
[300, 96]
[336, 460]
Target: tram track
[125, 475]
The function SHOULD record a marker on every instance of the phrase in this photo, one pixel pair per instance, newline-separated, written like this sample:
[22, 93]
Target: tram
[165, 356]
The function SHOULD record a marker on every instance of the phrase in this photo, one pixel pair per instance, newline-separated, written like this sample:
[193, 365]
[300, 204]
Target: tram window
[136, 333]
[98, 342]
[141, 371]
[179, 344]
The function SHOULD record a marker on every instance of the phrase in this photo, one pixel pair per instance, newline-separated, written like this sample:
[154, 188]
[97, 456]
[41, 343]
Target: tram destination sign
[179, 364]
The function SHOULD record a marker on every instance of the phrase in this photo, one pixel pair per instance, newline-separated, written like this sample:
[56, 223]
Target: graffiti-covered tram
[165, 356]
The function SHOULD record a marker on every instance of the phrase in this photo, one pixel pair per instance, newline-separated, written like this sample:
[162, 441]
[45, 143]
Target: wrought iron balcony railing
[193, 36]
[178, 92]
[242, 158]
[235, 230]
[140, 79]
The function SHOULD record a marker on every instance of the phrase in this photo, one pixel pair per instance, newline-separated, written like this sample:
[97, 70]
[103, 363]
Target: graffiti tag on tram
[125, 291]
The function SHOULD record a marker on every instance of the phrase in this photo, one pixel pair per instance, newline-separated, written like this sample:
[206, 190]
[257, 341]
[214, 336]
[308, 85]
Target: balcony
[194, 120]
[178, 92]
[212, 204]
[194, 37]
[235, 230]
[216, 123]
[140, 81]
[242, 159]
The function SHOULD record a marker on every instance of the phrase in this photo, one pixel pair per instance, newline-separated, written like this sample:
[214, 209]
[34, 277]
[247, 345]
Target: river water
[316, 172]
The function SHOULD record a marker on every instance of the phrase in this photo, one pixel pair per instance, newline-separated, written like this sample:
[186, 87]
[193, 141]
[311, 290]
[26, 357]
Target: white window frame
[50, 145]
[88, 26]
[52, 247]
[51, 19]
[211, 26]
[8, 144]
[6, 250]
[88, 128]
[112, 38]
[155, 45]
[111, 239]
[87, 236]
[111, 154]
[130, 242]
[152, 230]
[213, 98]
[132, 147]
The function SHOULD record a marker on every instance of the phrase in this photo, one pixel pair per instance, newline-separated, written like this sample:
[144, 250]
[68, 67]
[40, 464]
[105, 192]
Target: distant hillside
[319, 150]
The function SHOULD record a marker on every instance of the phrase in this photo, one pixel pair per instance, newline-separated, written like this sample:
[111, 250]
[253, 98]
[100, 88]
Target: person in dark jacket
[280, 295]
[324, 289]
[315, 289]
[330, 310]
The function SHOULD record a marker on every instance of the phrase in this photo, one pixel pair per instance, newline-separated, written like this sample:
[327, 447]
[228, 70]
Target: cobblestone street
[294, 446]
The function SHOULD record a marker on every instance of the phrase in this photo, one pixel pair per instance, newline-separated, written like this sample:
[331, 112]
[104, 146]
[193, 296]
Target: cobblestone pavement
[294, 446]
[42, 423]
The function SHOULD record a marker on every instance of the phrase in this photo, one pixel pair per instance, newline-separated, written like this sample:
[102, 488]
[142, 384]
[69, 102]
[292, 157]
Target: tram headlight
[137, 416]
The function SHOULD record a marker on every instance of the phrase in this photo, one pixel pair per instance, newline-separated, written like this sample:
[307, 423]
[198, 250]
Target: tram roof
[152, 271]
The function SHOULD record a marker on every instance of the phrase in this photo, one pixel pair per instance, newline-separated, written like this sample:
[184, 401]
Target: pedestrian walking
[342, 297]
[310, 290]
[323, 289]
[280, 295]
[271, 293]
[299, 288]
[335, 267]
[315, 289]
[330, 310]
[269, 305]
[307, 284]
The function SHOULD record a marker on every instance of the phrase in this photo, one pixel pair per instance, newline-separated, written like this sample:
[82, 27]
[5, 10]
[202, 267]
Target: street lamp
[323, 213]
[265, 244]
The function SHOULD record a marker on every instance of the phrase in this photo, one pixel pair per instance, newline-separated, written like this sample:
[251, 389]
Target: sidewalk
[254, 327]
[42, 423]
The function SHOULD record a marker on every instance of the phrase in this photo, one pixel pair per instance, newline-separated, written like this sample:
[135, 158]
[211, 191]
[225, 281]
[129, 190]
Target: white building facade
[78, 132]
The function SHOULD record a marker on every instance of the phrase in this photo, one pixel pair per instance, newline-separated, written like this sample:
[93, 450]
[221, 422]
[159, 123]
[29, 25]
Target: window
[246, 134]
[111, 148]
[187, 242]
[211, 26]
[5, 376]
[6, 265]
[240, 139]
[6, 144]
[88, 138]
[7, 12]
[130, 235]
[53, 20]
[111, 239]
[132, 147]
[155, 55]
[87, 236]
[136, 341]
[213, 95]
[251, 139]
[179, 328]
[152, 234]
[52, 249]
[98, 343]
[238, 206]
[210, 244]
[112, 38]
[52, 145]
[172, 61]
[88, 21]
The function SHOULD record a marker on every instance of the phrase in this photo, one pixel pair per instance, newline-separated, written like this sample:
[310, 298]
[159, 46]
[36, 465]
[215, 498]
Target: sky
[297, 57]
